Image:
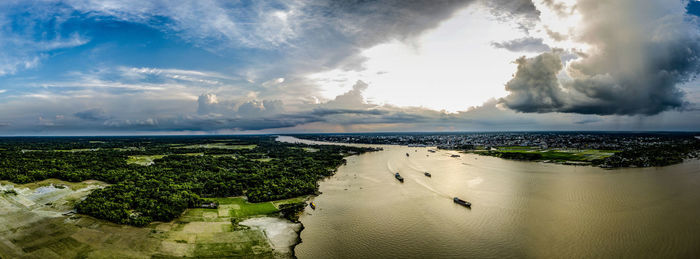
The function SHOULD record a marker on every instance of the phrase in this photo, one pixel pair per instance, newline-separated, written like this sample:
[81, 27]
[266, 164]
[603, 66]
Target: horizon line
[359, 133]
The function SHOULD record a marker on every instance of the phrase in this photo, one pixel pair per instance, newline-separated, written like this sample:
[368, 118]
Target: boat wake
[413, 166]
[429, 188]
[391, 168]
[417, 180]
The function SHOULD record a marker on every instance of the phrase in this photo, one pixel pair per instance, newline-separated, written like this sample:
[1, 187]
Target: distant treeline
[162, 191]
[651, 155]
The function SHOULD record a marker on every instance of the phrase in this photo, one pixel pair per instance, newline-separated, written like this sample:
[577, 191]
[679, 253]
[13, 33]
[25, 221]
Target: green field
[143, 160]
[24, 232]
[219, 146]
[308, 149]
[554, 155]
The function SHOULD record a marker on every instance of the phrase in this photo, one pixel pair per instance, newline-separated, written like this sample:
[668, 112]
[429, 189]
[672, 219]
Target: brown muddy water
[520, 209]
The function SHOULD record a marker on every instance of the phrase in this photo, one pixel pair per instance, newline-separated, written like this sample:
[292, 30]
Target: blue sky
[83, 67]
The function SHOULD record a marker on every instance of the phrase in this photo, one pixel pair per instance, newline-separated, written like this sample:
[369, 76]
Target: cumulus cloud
[207, 103]
[210, 104]
[256, 108]
[640, 52]
[526, 44]
[352, 99]
[535, 87]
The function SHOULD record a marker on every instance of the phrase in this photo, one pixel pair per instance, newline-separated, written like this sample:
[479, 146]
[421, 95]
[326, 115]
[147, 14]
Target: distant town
[604, 149]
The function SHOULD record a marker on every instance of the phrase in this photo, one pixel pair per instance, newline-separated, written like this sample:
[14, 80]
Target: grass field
[558, 155]
[241, 208]
[143, 160]
[307, 149]
[39, 231]
[225, 155]
[219, 146]
[75, 150]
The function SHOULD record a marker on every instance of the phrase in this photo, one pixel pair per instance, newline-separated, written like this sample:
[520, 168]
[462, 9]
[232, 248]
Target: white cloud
[451, 67]
[19, 50]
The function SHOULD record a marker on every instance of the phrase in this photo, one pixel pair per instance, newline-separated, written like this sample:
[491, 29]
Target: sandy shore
[282, 234]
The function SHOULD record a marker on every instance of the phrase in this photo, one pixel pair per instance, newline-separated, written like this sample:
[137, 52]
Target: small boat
[428, 174]
[406, 154]
[454, 155]
[462, 202]
[312, 205]
[398, 177]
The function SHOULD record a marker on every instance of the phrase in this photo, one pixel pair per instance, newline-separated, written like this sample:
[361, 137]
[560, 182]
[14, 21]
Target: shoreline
[281, 234]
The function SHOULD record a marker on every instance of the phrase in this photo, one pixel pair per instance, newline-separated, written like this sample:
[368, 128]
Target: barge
[398, 177]
[462, 202]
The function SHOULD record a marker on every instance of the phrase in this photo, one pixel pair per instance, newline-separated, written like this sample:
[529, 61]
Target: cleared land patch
[42, 226]
[552, 155]
[143, 160]
[219, 146]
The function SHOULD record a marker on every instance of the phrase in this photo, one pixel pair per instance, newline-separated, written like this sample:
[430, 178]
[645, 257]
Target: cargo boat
[462, 202]
[398, 177]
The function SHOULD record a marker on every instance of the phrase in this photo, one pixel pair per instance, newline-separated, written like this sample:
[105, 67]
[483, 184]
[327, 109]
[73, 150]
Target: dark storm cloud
[333, 32]
[535, 87]
[634, 67]
[299, 36]
[95, 114]
[527, 44]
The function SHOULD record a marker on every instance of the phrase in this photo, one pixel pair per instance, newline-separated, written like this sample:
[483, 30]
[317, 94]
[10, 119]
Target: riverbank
[165, 179]
[37, 220]
[558, 156]
[282, 234]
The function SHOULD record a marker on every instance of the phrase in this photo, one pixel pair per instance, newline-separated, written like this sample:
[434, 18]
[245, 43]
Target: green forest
[183, 173]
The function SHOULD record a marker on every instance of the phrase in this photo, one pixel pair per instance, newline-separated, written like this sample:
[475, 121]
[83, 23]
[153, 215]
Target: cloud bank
[244, 66]
[639, 53]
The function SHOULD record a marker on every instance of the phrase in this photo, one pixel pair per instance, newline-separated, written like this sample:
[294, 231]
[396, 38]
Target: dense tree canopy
[192, 168]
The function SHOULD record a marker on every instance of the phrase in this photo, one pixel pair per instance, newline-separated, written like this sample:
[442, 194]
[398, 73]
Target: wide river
[520, 209]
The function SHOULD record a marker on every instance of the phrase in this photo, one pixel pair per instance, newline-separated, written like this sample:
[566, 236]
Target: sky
[133, 67]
